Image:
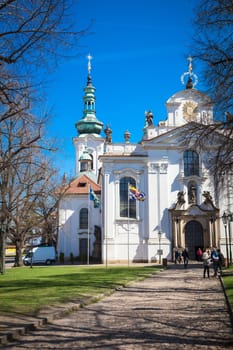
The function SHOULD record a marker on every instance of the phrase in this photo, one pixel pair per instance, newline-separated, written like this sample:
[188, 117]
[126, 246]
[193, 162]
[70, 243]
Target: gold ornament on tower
[190, 111]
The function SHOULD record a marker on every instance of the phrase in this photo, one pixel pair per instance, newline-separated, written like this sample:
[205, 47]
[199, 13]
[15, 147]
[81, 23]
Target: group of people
[209, 258]
[215, 258]
[182, 257]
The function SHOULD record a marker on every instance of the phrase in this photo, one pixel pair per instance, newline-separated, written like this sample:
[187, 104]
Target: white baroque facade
[182, 206]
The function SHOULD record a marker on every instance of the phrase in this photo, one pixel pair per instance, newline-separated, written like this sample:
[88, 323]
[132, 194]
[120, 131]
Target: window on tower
[191, 163]
[84, 166]
[91, 161]
[127, 207]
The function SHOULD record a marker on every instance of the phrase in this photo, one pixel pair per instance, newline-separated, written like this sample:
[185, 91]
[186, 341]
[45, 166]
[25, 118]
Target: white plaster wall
[69, 231]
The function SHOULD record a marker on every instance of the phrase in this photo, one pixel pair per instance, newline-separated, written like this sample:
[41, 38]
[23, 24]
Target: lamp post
[225, 220]
[230, 219]
[159, 235]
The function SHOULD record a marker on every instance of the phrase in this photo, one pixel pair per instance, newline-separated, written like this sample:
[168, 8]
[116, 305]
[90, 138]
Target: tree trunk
[18, 253]
[2, 250]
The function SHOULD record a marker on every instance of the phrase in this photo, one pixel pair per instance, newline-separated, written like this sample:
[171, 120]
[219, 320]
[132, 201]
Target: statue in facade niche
[192, 196]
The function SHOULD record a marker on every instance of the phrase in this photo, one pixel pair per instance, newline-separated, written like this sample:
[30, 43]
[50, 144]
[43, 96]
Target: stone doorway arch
[193, 237]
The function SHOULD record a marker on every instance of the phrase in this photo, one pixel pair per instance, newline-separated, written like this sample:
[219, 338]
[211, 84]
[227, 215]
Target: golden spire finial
[89, 57]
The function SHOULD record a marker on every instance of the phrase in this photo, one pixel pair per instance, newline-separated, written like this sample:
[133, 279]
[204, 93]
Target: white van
[40, 255]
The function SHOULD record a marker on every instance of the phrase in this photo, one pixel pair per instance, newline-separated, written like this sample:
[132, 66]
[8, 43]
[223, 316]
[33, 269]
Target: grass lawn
[26, 290]
[228, 283]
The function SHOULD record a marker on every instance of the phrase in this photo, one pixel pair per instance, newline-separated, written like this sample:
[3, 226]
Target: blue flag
[93, 197]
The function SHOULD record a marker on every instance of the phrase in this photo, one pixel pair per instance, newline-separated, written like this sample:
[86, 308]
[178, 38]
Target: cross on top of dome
[192, 80]
[89, 57]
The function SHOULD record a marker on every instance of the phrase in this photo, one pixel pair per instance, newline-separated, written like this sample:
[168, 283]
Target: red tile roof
[80, 186]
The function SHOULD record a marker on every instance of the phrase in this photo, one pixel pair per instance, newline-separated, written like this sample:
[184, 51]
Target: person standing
[221, 261]
[185, 255]
[199, 254]
[206, 258]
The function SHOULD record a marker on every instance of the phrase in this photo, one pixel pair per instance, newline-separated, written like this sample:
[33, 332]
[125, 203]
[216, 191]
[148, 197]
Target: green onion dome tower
[89, 124]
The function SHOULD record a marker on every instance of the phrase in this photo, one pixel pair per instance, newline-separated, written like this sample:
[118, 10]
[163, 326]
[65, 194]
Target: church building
[139, 202]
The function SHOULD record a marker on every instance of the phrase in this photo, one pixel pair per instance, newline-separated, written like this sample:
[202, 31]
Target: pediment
[181, 136]
[167, 138]
[196, 210]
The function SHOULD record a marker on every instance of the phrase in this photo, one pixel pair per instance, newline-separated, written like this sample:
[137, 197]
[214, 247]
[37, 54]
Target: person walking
[215, 259]
[206, 258]
[185, 255]
[178, 257]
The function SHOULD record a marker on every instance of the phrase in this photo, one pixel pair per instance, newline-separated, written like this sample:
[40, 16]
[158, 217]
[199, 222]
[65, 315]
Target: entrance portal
[193, 238]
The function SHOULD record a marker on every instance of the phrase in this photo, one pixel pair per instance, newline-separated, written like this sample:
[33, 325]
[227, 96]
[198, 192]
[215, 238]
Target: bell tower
[89, 143]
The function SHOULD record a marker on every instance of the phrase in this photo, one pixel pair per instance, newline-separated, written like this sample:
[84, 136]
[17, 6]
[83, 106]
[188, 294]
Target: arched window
[191, 163]
[83, 218]
[127, 207]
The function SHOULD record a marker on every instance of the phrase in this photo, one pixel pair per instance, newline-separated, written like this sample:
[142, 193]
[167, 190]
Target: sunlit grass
[26, 290]
[228, 284]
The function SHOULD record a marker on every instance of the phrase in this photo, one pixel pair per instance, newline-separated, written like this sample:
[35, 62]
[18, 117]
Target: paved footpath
[174, 309]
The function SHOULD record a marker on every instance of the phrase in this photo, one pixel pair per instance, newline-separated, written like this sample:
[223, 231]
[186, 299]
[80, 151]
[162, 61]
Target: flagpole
[105, 218]
[88, 224]
[128, 224]
[105, 221]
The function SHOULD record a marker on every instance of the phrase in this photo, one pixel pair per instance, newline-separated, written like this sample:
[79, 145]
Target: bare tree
[213, 46]
[35, 34]
[27, 183]
[26, 218]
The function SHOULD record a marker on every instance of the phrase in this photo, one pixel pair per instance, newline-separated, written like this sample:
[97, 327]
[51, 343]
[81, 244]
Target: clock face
[190, 111]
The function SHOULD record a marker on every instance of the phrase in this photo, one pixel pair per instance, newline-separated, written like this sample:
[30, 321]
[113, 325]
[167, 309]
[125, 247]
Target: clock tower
[189, 105]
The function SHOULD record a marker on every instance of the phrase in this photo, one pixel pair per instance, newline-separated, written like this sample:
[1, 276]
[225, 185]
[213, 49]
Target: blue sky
[139, 49]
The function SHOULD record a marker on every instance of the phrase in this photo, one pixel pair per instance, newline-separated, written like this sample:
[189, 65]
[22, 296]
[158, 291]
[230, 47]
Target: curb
[15, 333]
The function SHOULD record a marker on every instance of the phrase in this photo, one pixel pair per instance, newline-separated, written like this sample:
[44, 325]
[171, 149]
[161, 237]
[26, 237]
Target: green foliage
[29, 290]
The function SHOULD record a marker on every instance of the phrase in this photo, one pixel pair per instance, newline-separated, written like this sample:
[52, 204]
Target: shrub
[71, 258]
[62, 258]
